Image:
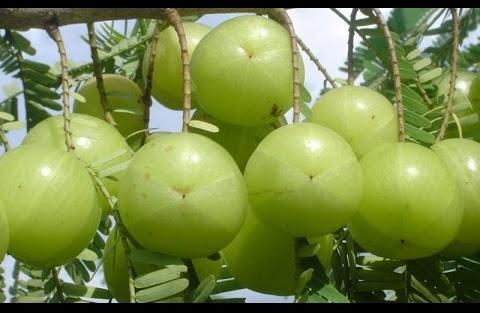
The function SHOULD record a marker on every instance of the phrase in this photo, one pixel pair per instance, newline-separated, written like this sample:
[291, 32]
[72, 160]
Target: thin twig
[424, 93]
[453, 75]
[193, 279]
[97, 68]
[173, 18]
[121, 230]
[315, 61]
[282, 16]
[343, 17]
[375, 13]
[54, 33]
[147, 95]
[351, 33]
[58, 284]
[4, 140]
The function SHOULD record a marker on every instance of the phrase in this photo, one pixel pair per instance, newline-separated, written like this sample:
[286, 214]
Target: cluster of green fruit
[247, 191]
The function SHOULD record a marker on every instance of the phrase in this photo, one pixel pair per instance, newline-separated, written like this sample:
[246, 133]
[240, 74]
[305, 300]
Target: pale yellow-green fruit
[183, 195]
[462, 156]
[94, 140]
[4, 232]
[116, 270]
[304, 179]
[167, 78]
[411, 206]
[125, 99]
[239, 141]
[362, 116]
[262, 258]
[51, 204]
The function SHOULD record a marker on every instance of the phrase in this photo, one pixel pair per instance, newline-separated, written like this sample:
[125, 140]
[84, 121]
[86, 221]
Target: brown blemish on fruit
[373, 117]
[183, 191]
[402, 241]
[168, 148]
[149, 234]
[144, 195]
[19, 186]
[146, 176]
[275, 112]
[311, 177]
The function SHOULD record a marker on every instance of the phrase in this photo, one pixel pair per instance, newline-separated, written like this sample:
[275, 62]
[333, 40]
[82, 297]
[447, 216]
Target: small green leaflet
[7, 116]
[430, 75]
[413, 54]
[88, 255]
[204, 289]
[78, 97]
[308, 250]
[85, 291]
[203, 126]
[421, 64]
[419, 134]
[162, 291]
[161, 276]
[13, 125]
[153, 258]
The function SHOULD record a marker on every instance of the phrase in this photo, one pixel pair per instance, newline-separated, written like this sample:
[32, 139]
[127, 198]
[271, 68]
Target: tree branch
[97, 68]
[24, 18]
[316, 62]
[173, 17]
[54, 32]
[4, 140]
[351, 33]
[58, 284]
[453, 75]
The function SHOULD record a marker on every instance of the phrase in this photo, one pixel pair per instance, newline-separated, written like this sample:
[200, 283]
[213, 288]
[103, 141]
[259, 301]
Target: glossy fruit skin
[167, 83]
[183, 195]
[122, 94]
[411, 206]
[262, 258]
[304, 179]
[116, 270]
[94, 140]
[4, 232]
[242, 71]
[51, 204]
[362, 116]
[239, 141]
[462, 156]
[474, 93]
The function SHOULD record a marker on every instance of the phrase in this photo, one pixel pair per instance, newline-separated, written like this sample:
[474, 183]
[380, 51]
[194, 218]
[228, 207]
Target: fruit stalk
[58, 284]
[147, 95]
[121, 230]
[4, 140]
[424, 93]
[54, 33]
[453, 75]
[97, 67]
[315, 61]
[174, 19]
[351, 33]
[377, 15]
[282, 17]
[365, 40]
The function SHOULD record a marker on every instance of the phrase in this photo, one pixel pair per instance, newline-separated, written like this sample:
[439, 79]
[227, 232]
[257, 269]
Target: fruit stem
[121, 230]
[351, 33]
[97, 67]
[193, 279]
[147, 95]
[424, 93]
[453, 75]
[315, 61]
[343, 17]
[54, 33]
[377, 15]
[173, 18]
[58, 284]
[281, 16]
[4, 140]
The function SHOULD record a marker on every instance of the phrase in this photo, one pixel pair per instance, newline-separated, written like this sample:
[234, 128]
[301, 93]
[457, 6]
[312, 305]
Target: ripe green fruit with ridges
[462, 157]
[183, 195]
[239, 141]
[4, 232]
[167, 78]
[474, 94]
[363, 117]
[51, 204]
[124, 97]
[262, 258]
[305, 180]
[94, 140]
[411, 206]
[242, 71]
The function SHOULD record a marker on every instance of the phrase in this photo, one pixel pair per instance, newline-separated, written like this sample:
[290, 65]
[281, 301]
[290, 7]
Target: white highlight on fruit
[194, 158]
[312, 144]
[472, 165]
[84, 142]
[361, 105]
[412, 170]
[462, 85]
[46, 171]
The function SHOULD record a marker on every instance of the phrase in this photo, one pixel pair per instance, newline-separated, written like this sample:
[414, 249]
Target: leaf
[110, 157]
[153, 258]
[163, 291]
[416, 119]
[23, 43]
[85, 291]
[308, 250]
[12, 125]
[363, 22]
[302, 281]
[305, 110]
[227, 285]
[160, 276]
[406, 74]
[78, 97]
[203, 126]
[419, 134]
[421, 64]
[413, 54]
[129, 111]
[36, 66]
[204, 289]
[331, 293]
[304, 94]
[30, 299]
[430, 75]
[88, 255]
[114, 169]
[7, 116]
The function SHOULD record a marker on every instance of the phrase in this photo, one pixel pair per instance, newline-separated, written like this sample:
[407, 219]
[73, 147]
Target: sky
[321, 30]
